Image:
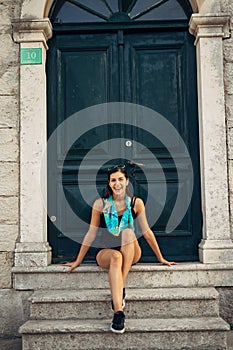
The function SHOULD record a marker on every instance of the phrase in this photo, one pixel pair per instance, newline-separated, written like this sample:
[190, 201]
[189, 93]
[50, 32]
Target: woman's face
[118, 183]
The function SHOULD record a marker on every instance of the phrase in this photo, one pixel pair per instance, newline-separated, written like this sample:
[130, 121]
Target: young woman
[116, 213]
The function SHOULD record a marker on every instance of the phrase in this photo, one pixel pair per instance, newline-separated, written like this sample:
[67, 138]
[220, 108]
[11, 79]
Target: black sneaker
[123, 301]
[118, 322]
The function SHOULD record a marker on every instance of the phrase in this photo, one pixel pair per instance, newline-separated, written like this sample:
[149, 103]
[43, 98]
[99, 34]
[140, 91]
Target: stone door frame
[33, 29]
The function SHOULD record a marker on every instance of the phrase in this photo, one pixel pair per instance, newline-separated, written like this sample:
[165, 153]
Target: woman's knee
[116, 258]
[128, 236]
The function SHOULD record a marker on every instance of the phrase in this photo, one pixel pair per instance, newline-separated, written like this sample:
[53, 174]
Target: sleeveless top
[107, 240]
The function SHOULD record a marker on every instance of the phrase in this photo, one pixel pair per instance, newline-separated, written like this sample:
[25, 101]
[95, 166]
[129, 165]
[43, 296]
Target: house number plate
[31, 56]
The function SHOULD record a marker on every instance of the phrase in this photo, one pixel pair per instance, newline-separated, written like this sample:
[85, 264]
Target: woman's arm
[147, 233]
[90, 235]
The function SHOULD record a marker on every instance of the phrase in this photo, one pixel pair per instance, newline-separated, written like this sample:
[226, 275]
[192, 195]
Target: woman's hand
[168, 263]
[72, 265]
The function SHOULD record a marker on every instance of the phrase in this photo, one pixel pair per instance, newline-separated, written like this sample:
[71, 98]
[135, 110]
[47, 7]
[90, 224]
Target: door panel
[86, 66]
[155, 69]
[158, 77]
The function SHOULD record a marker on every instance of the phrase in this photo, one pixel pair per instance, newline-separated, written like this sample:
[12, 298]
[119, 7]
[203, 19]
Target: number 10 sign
[31, 56]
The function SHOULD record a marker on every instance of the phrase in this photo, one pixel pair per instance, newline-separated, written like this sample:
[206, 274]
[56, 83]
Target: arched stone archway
[33, 29]
[40, 9]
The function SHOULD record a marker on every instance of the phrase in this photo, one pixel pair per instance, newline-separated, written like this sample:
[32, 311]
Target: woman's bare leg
[130, 250]
[112, 260]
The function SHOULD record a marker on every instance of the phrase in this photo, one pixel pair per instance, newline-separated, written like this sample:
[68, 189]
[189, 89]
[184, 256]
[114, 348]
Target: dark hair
[108, 190]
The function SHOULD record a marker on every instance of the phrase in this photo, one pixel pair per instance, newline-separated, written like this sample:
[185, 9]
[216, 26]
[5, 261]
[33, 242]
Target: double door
[153, 68]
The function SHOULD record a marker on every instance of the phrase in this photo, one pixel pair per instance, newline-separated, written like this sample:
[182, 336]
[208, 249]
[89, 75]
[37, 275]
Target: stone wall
[227, 7]
[226, 303]
[9, 142]
[226, 294]
[11, 306]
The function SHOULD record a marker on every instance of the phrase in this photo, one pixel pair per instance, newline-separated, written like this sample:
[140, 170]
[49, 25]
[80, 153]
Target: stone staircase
[77, 313]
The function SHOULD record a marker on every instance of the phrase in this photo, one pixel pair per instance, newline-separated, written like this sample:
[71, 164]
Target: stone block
[11, 344]
[228, 50]
[8, 237]
[230, 340]
[9, 81]
[9, 145]
[146, 275]
[148, 334]
[32, 254]
[226, 303]
[228, 77]
[230, 143]
[231, 177]
[9, 179]
[224, 5]
[140, 303]
[9, 209]
[9, 51]
[227, 7]
[6, 11]
[6, 263]
[230, 172]
[14, 311]
[16, 9]
[229, 109]
[9, 112]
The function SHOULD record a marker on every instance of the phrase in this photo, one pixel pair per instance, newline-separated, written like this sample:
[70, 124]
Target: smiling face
[118, 184]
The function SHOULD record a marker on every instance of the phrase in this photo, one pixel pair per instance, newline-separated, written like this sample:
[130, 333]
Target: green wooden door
[152, 65]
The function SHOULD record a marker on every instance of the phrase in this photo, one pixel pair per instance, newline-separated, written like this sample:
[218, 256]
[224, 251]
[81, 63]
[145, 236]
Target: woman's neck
[119, 198]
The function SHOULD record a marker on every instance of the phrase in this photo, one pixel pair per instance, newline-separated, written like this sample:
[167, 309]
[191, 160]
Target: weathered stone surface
[230, 172]
[6, 263]
[226, 303]
[9, 210]
[228, 77]
[148, 276]
[6, 11]
[227, 50]
[8, 237]
[16, 9]
[229, 109]
[9, 52]
[9, 111]
[9, 179]
[11, 344]
[140, 303]
[9, 81]
[156, 334]
[9, 145]
[230, 143]
[226, 6]
[230, 340]
[231, 178]
[14, 311]
[33, 254]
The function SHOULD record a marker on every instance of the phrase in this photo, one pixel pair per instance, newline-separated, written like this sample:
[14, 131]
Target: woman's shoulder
[98, 204]
[138, 204]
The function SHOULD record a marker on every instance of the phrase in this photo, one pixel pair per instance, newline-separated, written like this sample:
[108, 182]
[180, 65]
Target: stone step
[146, 275]
[140, 303]
[157, 334]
